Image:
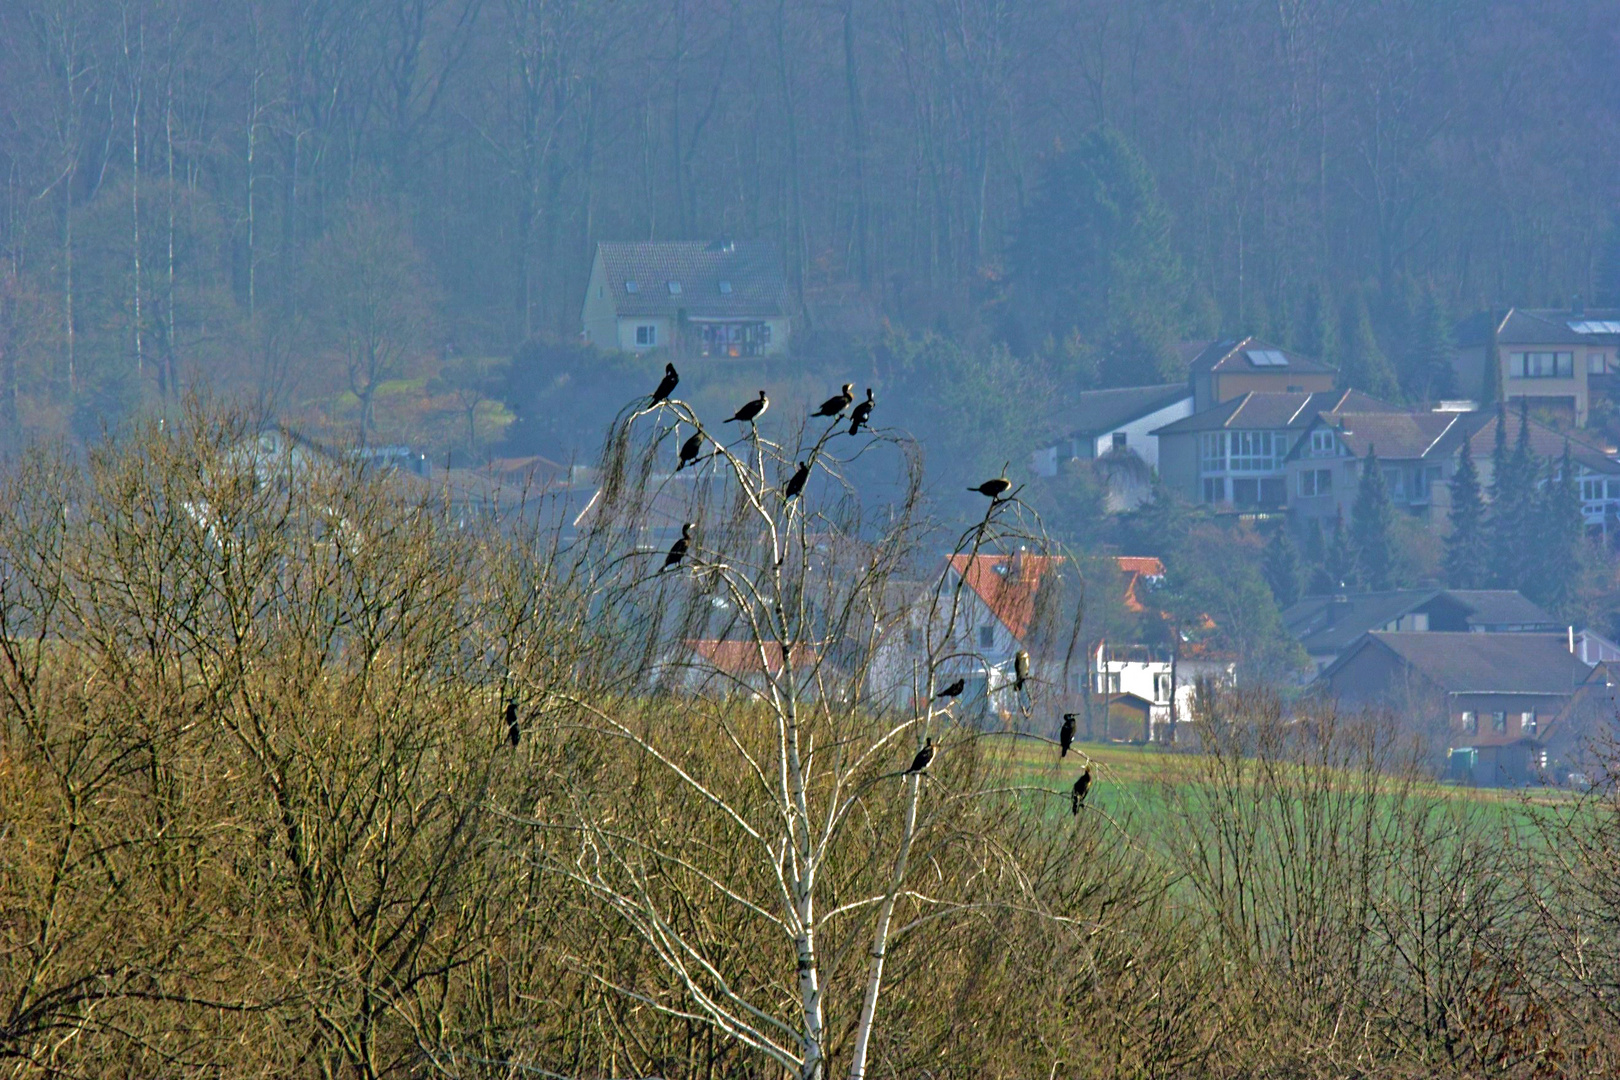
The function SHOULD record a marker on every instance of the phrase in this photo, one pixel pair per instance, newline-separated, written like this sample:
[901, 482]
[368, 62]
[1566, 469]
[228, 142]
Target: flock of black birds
[860, 417]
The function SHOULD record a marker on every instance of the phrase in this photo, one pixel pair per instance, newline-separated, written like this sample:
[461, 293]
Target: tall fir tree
[1372, 523]
[1560, 541]
[1316, 334]
[1490, 389]
[1281, 568]
[1468, 551]
[1341, 566]
[1513, 489]
[1363, 365]
[1606, 276]
[1321, 581]
[1429, 375]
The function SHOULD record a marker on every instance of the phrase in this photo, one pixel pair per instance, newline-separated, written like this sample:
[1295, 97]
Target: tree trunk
[880, 935]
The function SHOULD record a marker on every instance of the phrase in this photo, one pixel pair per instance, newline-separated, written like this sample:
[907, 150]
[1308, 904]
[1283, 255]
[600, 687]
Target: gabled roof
[1395, 435]
[1096, 411]
[1463, 663]
[1329, 624]
[1238, 355]
[1006, 584]
[1273, 411]
[1135, 568]
[750, 271]
[1545, 442]
[1502, 607]
[1543, 326]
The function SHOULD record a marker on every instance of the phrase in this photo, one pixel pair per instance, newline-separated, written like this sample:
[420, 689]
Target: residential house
[726, 667]
[1228, 369]
[1327, 626]
[1552, 358]
[1107, 422]
[1235, 453]
[1418, 453]
[720, 299]
[1481, 702]
[995, 616]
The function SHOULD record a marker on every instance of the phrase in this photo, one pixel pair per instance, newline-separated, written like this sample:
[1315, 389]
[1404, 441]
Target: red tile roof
[1135, 568]
[1007, 584]
[742, 658]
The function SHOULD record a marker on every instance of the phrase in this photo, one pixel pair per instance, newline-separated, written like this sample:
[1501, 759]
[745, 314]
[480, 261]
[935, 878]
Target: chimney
[1572, 641]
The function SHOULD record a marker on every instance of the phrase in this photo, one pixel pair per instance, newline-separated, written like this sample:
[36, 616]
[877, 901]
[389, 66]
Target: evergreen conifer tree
[1340, 564]
[1468, 554]
[1363, 365]
[1372, 520]
[1318, 581]
[1513, 509]
[1282, 570]
[1607, 276]
[1317, 335]
[1430, 376]
[1560, 540]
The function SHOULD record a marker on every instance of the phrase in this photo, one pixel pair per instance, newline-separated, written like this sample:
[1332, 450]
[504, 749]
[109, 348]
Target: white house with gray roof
[721, 299]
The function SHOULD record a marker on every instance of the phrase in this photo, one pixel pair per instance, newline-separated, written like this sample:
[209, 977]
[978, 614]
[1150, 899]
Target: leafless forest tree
[171, 167]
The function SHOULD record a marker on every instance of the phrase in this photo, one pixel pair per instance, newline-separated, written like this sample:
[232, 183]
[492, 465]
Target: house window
[1252, 451]
[600, 292]
[1119, 440]
[1595, 364]
[1161, 686]
[1214, 489]
[987, 637]
[1322, 443]
[1468, 722]
[1245, 492]
[1541, 365]
[1313, 482]
[646, 335]
[765, 333]
[725, 288]
[631, 287]
[674, 288]
[1108, 682]
[1212, 451]
[1499, 722]
[1395, 482]
[1527, 722]
[1591, 489]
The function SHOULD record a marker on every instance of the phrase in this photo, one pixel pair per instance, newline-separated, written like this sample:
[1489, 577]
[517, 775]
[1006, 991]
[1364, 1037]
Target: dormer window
[631, 287]
[674, 288]
[725, 288]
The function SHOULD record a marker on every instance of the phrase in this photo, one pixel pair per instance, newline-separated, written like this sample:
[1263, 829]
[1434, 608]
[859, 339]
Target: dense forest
[295, 199]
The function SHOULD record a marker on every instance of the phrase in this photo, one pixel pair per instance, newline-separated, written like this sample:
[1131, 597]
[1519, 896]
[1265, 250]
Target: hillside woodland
[304, 772]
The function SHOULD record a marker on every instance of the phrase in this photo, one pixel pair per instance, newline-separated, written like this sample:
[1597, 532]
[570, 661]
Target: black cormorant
[994, 488]
[953, 690]
[677, 550]
[1066, 735]
[833, 406]
[666, 385]
[1077, 798]
[862, 413]
[751, 411]
[514, 730]
[690, 450]
[924, 756]
[795, 482]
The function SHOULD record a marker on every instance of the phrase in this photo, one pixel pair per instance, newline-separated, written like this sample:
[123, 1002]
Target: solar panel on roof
[1267, 358]
[631, 287]
[1596, 326]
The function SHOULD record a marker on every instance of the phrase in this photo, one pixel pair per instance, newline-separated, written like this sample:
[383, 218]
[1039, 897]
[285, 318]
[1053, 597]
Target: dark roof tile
[751, 270]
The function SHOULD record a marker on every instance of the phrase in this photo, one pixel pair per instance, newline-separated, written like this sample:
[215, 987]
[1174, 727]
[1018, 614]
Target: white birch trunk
[880, 934]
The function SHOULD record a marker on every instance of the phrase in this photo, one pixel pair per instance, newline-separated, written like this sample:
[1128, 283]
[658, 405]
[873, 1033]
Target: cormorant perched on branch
[862, 413]
[677, 550]
[1078, 798]
[514, 730]
[833, 406]
[924, 756]
[994, 488]
[953, 690]
[1020, 669]
[1066, 735]
[666, 386]
[795, 482]
[690, 450]
[751, 411]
